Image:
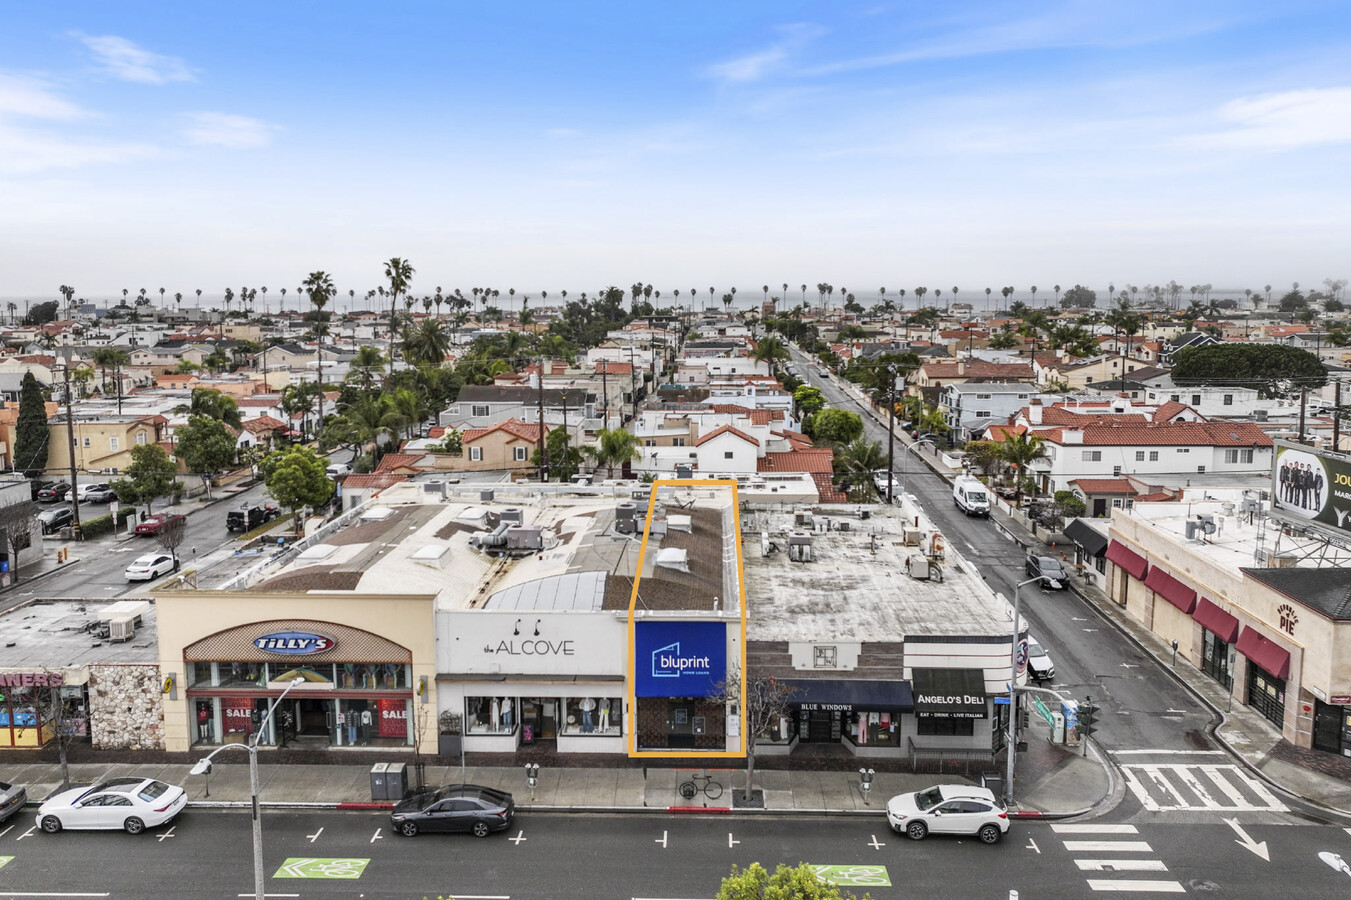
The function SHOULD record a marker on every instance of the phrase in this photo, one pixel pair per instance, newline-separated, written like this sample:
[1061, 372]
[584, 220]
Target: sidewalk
[1051, 782]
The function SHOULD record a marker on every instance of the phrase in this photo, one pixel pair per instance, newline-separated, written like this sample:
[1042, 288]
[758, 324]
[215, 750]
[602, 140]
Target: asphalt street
[659, 857]
[1143, 708]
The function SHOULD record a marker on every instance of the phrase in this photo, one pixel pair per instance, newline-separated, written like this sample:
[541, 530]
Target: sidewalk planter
[449, 740]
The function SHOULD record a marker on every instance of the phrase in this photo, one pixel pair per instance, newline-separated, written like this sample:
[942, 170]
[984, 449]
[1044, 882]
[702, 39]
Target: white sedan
[131, 804]
[150, 566]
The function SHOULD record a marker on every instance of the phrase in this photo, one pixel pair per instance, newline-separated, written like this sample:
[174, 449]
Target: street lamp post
[1013, 686]
[203, 767]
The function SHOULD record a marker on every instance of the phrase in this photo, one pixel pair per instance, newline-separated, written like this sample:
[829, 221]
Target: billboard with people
[1312, 485]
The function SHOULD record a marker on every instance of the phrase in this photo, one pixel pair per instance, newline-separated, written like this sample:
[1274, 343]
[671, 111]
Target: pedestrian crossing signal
[1088, 714]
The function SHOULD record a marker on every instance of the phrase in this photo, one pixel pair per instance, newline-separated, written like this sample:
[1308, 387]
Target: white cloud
[227, 130]
[762, 63]
[122, 59]
[1286, 120]
[20, 96]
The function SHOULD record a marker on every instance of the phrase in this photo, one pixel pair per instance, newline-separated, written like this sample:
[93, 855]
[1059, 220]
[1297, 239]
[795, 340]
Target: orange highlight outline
[633, 751]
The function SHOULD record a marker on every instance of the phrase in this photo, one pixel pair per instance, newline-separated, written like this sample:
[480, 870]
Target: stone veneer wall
[126, 708]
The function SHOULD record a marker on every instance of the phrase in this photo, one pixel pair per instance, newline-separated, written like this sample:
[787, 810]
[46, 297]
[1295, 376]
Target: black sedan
[457, 807]
[1053, 574]
[52, 520]
[53, 492]
[12, 799]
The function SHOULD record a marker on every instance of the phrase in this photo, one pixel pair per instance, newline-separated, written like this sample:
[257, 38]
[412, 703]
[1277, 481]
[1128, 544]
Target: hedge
[104, 524]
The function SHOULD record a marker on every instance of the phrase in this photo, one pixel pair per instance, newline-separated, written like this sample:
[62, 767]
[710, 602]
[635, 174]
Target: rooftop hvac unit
[121, 630]
[1259, 415]
[842, 525]
[800, 546]
[917, 565]
[911, 537]
[1207, 524]
[684, 472]
[1273, 560]
[802, 518]
[434, 488]
[523, 537]
[487, 496]
[626, 517]
[511, 515]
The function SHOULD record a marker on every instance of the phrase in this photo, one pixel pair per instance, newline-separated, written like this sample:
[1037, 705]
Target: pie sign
[294, 643]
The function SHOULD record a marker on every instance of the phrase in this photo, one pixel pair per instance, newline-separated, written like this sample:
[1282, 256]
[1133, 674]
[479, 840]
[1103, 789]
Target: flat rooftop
[856, 586]
[585, 554]
[60, 633]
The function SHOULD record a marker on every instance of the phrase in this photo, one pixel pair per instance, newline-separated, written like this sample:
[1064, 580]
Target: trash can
[380, 781]
[396, 781]
[994, 782]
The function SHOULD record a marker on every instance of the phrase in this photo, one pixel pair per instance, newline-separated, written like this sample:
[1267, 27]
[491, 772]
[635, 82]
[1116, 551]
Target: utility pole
[1303, 405]
[605, 393]
[1337, 416]
[70, 439]
[543, 444]
[891, 432]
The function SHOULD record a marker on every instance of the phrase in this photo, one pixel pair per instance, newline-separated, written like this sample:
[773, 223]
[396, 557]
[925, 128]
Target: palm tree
[199, 298]
[364, 365]
[427, 344]
[614, 446]
[319, 287]
[111, 358]
[1018, 451]
[1056, 288]
[399, 271]
[212, 404]
[771, 351]
[858, 459]
[410, 408]
[1034, 294]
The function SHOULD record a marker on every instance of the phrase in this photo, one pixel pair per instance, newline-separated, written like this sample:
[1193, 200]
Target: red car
[153, 524]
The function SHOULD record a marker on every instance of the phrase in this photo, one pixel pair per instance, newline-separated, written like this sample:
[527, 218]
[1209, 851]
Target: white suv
[948, 809]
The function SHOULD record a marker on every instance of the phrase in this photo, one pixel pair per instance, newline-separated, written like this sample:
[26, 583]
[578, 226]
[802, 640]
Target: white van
[971, 497]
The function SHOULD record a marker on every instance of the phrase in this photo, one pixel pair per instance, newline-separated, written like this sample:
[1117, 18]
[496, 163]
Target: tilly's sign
[294, 643]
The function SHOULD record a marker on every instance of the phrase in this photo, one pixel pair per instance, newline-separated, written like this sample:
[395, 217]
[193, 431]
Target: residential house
[940, 373]
[505, 446]
[482, 406]
[103, 443]
[970, 407]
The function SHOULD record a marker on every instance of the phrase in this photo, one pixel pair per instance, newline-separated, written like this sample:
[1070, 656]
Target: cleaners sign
[679, 659]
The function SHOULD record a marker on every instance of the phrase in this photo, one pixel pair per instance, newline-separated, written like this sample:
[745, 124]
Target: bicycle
[697, 783]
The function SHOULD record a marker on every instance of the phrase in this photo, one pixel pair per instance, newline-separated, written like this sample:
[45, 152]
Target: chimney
[1072, 436]
[1034, 412]
[961, 367]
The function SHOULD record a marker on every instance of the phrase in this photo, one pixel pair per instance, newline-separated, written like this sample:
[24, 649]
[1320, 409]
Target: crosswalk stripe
[1197, 788]
[1121, 865]
[1107, 847]
[1260, 790]
[1138, 789]
[1168, 753]
[1214, 773]
[1172, 787]
[1161, 781]
[1156, 887]
[1094, 829]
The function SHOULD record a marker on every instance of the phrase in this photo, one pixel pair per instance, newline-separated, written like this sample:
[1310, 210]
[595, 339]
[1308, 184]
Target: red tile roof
[978, 369]
[262, 424]
[614, 368]
[816, 461]
[1182, 434]
[526, 431]
[391, 461]
[1169, 410]
[1104, 485]
[727, 429]
[377, 482]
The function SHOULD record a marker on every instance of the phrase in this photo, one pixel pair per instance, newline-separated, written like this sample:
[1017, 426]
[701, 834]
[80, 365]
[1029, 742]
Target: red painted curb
[1029, 814]
[355, 805]
[715, 810]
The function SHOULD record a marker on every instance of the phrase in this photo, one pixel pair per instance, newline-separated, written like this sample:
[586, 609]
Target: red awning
[1216, 620]
[1172, 590]
[1265, 653]
[1127, 559]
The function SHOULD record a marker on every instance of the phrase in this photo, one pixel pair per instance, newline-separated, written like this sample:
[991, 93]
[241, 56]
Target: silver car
[948, 809]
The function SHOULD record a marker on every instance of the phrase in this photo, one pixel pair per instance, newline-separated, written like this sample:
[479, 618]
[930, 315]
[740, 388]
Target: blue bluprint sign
[679, 659]
[294, 643]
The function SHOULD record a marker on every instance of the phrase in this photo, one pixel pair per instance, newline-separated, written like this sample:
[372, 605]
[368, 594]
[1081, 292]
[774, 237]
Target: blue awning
[850, 696]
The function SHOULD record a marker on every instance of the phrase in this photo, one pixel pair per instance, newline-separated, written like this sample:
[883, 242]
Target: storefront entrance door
[313, 718]
[680, 723]
[1328, 722]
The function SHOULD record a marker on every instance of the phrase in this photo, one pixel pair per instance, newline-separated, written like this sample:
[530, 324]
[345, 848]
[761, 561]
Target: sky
[559, 146]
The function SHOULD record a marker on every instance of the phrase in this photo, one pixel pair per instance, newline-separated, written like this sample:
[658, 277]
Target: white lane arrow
[1247, 843]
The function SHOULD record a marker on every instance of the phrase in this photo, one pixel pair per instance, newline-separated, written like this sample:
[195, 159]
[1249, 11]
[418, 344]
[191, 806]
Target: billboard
[1312, 485]
[679, 659]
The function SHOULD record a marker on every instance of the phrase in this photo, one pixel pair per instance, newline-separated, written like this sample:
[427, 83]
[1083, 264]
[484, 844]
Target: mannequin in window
[587, 706]
[495, 716]
[508, 713]
[604, 714]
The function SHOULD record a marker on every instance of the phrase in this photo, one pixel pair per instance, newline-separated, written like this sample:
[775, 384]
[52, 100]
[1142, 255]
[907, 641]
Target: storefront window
[490, 715]
[1216, 659]
[1266, 694]
[374, 676]
[593, 715]
[202, 674]
[874, 729]
[241, 673]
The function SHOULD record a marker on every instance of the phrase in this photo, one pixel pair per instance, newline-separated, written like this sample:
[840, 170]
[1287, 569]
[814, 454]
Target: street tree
[799, 883]
[296, 478]
[399, 271]
[765, 709]
[32, 436]
[613, 447]
[564, 459]
[836, 426]
[19, 530]
[149, 477]
[205, 445]
[1274, 369]
[1018, 451]
[41, 313]
[807, 400]
[856, 461]
[171, 534]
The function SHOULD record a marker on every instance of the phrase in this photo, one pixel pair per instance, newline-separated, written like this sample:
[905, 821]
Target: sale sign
[238, 714]
[392, 716]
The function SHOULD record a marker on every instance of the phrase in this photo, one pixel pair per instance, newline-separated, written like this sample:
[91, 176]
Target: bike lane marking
[311, 867]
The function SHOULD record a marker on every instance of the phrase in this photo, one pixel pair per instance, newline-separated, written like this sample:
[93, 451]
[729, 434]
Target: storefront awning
[1127, 559]
[1216, 620]
[850, 696]
[1086, 536]
[1265, 653]
[1172, 590]
[950, 693]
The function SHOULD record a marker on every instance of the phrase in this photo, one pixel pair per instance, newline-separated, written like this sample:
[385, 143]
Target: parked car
[248, 518]
[154, 524]
[948, 809]
[101, 492]
[12, 799]
[53, 520]
[457, 807]
[339, 470]
[1039, 664]
[132, 804]
[53, 491]
[150, 567]
[1053, 574]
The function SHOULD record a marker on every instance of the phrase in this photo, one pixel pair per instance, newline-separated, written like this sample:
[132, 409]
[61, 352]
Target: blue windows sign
[293, 643]
[679, 659]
